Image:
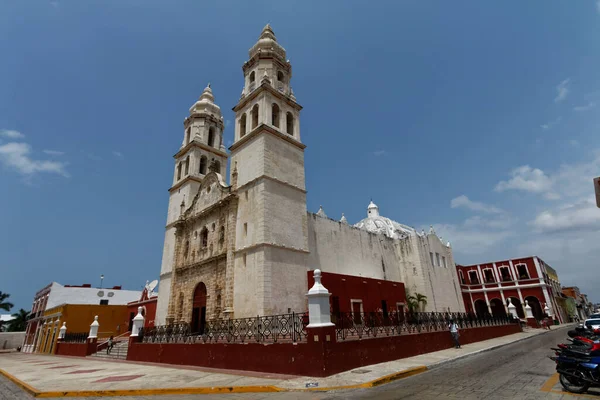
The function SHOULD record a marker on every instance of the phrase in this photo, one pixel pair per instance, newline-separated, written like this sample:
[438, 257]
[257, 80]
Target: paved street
[517, 371]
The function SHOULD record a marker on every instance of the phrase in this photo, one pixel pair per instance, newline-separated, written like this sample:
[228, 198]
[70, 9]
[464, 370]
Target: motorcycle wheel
[573, 384]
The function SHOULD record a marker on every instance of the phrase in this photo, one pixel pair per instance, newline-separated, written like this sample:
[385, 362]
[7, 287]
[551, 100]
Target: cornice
[200, 115]
[184, 180]
[274, 245]
[271, 179]
[262, 127]
[200, 145]
[266, 87]
[286, 66]
[181, 268]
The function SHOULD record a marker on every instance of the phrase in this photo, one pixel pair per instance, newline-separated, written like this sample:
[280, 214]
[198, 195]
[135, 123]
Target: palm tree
[412, 303]
[5, 305]
[421, 300]
[19, 321]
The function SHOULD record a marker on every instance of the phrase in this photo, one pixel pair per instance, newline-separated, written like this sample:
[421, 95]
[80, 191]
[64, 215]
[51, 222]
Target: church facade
[243, 248]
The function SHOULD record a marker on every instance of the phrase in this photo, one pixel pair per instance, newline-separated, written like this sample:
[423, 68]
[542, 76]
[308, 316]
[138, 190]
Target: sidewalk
[48, 376]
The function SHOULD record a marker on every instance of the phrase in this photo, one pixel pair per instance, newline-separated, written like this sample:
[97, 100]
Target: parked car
[593, 323]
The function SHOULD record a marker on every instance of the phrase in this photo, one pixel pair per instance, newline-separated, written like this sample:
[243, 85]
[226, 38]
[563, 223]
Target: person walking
[110, 345]
[454, 332]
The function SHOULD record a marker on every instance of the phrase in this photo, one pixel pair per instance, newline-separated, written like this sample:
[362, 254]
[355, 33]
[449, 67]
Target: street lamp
[101, 279]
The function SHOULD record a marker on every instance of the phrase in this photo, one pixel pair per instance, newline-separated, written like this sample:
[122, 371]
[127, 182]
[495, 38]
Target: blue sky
[480, 118]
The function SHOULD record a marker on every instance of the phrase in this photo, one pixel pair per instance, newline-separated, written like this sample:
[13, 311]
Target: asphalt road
[517, 371]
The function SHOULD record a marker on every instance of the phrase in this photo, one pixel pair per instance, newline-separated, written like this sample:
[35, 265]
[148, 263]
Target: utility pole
[101, 279]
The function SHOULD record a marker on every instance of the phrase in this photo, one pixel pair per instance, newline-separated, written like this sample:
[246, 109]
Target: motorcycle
[578, 363]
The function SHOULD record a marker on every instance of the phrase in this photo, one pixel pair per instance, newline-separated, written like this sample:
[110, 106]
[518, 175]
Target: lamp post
[101, 279]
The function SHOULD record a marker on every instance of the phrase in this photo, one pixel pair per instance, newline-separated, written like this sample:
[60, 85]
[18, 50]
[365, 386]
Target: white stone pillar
[548, 310]
[528, 312]
[62, 331]
[138, 323]
[512, 309]
[94, 328]
[318, 304]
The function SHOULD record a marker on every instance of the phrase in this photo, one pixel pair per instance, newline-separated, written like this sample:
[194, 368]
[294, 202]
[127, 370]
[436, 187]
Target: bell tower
[271, 242]
[201, 151]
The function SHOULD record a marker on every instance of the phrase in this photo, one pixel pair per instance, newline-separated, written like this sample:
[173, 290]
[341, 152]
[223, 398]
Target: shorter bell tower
[202, 151]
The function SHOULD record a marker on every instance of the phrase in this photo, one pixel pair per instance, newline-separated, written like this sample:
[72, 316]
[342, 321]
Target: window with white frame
[462, 277]
[473, 278]
[505, 274]
[522, 271]
[488, 275]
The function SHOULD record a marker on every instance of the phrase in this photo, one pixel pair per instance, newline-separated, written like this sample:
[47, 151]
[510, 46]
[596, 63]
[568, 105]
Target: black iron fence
[350, 326]
[75, 337]
[265, 329]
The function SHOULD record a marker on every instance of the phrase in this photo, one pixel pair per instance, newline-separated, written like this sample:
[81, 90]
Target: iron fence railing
[75, 337]
[260, 329]
[351, 326]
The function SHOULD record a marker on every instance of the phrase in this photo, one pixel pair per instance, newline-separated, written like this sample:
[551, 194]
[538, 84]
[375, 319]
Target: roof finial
[343, 220]
[321, 212]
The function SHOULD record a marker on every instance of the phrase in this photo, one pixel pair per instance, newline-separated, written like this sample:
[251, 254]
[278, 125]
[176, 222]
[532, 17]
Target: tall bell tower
[201, 150]
[267, 156]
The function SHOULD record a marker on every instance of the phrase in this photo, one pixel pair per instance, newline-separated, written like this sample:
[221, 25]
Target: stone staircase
[118, 352]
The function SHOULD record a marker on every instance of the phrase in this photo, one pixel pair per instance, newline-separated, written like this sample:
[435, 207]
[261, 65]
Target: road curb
[461, 357]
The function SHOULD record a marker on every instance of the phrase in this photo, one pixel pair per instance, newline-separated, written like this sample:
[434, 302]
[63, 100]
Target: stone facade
[250, 243]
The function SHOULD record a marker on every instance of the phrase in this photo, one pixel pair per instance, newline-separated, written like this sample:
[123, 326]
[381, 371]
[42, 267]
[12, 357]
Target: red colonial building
[487, 287]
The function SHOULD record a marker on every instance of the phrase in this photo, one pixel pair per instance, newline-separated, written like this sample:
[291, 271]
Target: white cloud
[118, 154]
[587, 107]
[528, 179]
[500, 222]
[471, 239]
[11, 134]
[581, 216]
[54, 152]
[550, 124]
[379, 153]
[562, 90]
[17, 156]
[464, 201]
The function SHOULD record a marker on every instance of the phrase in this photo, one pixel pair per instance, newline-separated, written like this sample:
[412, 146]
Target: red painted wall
[320, 358]
[76, 349]
[370, 291]
[150, 310]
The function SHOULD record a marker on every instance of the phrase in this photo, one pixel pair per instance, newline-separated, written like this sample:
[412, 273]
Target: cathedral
[243, 248]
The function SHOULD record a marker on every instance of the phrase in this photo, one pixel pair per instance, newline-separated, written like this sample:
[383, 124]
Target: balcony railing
[75, 337]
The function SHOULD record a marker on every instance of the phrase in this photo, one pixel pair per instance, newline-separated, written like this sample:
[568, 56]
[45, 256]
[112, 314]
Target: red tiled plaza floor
[119, 378]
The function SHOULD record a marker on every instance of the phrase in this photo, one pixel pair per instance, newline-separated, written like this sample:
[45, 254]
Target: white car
[593, 323]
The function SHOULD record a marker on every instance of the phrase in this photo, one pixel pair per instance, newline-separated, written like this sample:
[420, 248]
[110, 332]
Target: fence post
[138, 323]
[94, 328]
[62, 331]
[318, 304]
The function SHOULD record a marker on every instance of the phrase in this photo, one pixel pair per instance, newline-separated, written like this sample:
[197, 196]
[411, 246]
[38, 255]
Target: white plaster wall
[284, 161]
[77, 295]
[250, 159]
[285, 215]
[285, 281]
[249, 284]
[340, 248]
[11, 340]
[441, 284]
[162, 304]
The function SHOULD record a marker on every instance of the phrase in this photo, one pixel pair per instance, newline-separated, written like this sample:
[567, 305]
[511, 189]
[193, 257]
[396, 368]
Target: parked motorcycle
[578, 363]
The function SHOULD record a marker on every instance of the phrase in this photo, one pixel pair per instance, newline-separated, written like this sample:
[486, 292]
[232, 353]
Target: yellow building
[113, 320]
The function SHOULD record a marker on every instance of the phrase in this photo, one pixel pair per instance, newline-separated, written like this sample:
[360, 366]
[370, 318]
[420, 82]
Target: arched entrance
[536, 308]
[497, 307]
[519, 307]
[199, 309]
[481, 308]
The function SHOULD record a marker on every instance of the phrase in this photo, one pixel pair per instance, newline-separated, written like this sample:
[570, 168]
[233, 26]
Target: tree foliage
[19, 321]
[4, 304]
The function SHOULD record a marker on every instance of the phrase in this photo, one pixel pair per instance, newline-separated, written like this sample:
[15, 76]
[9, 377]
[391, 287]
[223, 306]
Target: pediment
[211, 191]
